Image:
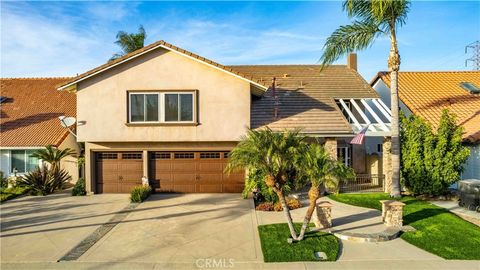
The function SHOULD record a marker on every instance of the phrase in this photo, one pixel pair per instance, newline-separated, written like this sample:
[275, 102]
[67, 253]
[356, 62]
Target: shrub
[43, 181]
[431, 161]
[79, 188]
[292, 204]
[270, 206]
[266, 206]
[140, 193]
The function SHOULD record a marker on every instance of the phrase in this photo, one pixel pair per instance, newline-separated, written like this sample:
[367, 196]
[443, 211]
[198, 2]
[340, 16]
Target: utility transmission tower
[475, 59]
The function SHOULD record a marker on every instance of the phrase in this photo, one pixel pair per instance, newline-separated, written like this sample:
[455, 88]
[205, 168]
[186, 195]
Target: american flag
[358, 139]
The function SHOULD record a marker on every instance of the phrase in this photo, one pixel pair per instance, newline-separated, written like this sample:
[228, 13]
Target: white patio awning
[371, 112]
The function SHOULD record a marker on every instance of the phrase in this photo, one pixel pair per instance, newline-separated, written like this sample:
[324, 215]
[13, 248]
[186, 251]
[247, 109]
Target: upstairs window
[179, 107]
[144, 108]
[161, 107]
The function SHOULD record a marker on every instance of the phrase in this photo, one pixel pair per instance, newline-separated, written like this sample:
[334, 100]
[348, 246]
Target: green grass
[438, 231]
[10, 193]
[275, 247]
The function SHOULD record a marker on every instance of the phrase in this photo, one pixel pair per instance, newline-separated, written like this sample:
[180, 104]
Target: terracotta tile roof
[306, 97]
[29, 115]
[153, 46]
[427, 93]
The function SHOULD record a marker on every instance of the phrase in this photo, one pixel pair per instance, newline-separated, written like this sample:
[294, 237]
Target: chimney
[352, 61]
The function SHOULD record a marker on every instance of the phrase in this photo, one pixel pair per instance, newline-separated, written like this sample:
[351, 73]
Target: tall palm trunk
[313, 195]
[286, 212]
[394, 67]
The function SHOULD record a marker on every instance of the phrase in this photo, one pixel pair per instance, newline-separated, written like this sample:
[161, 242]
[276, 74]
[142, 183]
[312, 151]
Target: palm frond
[348, 38]
[130, 42]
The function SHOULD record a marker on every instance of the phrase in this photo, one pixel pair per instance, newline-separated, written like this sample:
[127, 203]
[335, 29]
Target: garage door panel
[118, 172]
[184, 178]
[210, 178]
[184, 188]
[109, 188]
[210, 167]
[215, 188]
[183, 166]
[236, 188]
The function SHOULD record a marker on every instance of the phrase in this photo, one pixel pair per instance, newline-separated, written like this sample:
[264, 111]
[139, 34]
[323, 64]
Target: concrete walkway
[44, 228]
[348, 218]
[452, 206]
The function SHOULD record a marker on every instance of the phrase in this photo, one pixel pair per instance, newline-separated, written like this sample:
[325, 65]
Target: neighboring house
[30, 108]
[172, 116]
[427, 94]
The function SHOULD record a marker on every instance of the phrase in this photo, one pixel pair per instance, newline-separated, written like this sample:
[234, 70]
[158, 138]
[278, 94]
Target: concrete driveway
[183, 228]
[42, 229]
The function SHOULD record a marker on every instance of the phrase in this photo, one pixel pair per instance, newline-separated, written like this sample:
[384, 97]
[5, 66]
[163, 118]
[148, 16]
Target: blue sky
[66, 38]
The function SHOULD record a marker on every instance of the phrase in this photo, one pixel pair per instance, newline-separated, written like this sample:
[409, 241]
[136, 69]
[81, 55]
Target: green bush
[10, 193]
[431, 161]
[140, 193]
[79, 188]
[43, 181]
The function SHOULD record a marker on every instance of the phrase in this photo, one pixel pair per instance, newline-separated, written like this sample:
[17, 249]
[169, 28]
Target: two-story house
[172, 116]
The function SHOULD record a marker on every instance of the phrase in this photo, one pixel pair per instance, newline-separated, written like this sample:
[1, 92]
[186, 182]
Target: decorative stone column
[387, 164]
[324, 215]
[331, 147]
[392, 213]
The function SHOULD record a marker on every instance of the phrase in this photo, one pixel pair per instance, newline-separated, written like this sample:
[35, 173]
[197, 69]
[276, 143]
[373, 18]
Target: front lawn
[10, 193]
[275, 247]
[438, 231]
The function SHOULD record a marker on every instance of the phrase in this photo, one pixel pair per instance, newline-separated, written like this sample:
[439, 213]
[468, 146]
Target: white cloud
[52, 42]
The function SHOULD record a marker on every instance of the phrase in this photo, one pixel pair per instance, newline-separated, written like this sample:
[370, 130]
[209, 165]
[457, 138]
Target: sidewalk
[452, 206]
[340, 265]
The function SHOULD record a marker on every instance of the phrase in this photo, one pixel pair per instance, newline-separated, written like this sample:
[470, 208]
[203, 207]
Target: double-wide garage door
[190, 172]
[184, 172]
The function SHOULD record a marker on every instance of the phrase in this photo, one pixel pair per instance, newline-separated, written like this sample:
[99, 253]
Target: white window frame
[161, 107]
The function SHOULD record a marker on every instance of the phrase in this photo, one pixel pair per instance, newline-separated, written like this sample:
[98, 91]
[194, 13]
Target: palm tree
[274, 155]
[52, 155]
[320, 169]
[129, 42]
[373, 19]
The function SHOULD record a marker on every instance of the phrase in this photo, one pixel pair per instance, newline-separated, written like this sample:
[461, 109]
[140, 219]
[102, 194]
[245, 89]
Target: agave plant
[43, 181]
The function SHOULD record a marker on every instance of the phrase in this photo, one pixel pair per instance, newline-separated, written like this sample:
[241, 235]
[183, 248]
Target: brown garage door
[118, 172]
[189, 172]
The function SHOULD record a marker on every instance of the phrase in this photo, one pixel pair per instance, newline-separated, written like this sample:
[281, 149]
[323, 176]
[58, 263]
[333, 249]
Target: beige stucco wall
[91, 148]
[224, 101]
[70, 163]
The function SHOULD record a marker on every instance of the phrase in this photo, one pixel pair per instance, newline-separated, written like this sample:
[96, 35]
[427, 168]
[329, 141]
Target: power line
[475, 59]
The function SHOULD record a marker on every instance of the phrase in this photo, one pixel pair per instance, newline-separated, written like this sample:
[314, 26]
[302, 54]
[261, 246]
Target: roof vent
[470, 87]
